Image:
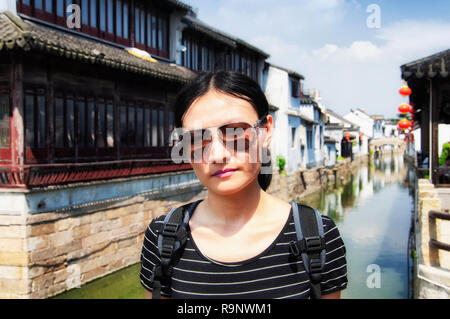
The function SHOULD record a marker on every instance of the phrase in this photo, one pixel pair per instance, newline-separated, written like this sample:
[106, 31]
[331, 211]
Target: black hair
[229, 82]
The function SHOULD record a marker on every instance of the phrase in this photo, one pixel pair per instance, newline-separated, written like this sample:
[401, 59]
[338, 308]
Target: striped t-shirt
[274, 273]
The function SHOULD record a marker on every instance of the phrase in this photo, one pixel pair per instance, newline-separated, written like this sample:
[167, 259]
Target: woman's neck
[235, 209]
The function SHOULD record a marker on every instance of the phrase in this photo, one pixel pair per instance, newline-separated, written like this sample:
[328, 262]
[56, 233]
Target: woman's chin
[227, 186]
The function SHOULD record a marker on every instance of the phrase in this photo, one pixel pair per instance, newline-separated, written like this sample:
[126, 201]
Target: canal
[372, 210]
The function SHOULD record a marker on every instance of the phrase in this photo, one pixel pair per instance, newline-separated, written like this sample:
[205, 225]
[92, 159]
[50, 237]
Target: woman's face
[213, 110]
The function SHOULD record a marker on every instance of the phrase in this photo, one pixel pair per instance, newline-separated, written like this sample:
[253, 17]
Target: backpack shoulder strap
[310, 243]
[171, 237]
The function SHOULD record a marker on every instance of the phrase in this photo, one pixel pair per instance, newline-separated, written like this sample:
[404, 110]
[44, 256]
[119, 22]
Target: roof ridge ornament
[431, 73]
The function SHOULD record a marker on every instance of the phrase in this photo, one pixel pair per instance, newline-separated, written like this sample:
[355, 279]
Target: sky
[350, 50]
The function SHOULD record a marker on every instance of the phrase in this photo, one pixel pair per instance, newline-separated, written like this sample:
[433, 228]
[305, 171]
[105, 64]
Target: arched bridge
[380, 143]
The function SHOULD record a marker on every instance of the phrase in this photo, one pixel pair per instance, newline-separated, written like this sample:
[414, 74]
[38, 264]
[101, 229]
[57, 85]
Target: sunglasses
[236, 136]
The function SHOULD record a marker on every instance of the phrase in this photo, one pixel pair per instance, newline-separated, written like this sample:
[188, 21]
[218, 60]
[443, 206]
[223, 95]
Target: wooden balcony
[42, 175]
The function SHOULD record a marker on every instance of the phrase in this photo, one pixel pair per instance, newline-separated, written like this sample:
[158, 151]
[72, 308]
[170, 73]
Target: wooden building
[76, 106]
[429, 81]
[84, 131]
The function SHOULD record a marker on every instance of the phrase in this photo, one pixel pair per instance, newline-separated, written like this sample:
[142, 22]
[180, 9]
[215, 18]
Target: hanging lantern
[405, 91]
[404, 108]
[404, 124]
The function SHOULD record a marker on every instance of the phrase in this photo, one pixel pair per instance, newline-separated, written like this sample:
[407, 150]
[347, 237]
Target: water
[372, 212]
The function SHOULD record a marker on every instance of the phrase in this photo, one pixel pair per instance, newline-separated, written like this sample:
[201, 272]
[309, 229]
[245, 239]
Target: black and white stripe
[273, 274]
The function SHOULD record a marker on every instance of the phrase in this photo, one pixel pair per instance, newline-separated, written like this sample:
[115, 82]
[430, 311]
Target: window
[236, 62]
[4, 120]
[309, 138]
[161, 128]
[110, 124]
[293, 129]
[90, 124]
[125, 20]
[140, 126]
[70, 121]
[101, 124]
[35, 119]
[131, 126]
[81, 123]
[85, 12]
[147, 128]
[111, 16]
[59, 122]
[103, 14]
[123, 125]
[204, 59]
[295, 88]
[49, 6]
[154, 127]
[171, 126]
[119, 18]
[64, 121]
[137, 29]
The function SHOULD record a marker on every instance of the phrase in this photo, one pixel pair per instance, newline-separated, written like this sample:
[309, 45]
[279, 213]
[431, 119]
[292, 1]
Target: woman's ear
[268, 131]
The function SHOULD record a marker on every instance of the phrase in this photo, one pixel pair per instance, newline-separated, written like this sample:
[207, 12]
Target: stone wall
[307, 181]
[45, 253]
[433, 265]
[56, 239]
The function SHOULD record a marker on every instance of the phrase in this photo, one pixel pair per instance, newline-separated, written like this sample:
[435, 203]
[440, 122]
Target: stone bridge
[380, 144]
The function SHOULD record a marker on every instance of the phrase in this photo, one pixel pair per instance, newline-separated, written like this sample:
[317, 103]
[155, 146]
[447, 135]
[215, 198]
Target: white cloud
[329, 43]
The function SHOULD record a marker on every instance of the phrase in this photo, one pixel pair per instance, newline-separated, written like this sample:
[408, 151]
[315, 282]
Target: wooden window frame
[5, 152]
[35, 153]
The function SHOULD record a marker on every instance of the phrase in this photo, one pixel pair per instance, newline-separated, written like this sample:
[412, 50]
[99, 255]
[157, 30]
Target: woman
[238, 244]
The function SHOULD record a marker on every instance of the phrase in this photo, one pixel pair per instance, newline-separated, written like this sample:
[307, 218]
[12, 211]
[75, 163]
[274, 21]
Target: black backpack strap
[171, 240]
[310, 243]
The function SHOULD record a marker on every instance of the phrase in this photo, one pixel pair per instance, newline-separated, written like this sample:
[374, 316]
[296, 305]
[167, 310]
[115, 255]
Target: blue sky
[329, 42]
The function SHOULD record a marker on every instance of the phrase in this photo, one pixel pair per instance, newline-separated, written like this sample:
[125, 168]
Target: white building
[336, 126]
[297, 134]
[366, 128]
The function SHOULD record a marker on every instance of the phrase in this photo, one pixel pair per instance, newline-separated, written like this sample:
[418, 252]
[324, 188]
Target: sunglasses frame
[260, 121]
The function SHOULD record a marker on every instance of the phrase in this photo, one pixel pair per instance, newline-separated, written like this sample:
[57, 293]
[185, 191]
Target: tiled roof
[20, 34]
[429, 67]
[289, 71]
[180, 5]
[219, 35]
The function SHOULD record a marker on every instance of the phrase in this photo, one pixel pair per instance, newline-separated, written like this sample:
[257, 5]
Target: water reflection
[372, 211]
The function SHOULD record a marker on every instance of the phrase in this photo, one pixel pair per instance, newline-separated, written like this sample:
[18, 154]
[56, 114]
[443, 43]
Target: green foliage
[445, 153]
[281, 163]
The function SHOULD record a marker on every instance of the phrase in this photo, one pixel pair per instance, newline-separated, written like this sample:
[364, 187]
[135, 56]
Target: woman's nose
[216, 152]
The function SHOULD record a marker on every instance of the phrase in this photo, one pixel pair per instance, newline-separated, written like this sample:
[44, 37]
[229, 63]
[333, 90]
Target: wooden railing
[441, 176]
[434, 242]
[40, 175]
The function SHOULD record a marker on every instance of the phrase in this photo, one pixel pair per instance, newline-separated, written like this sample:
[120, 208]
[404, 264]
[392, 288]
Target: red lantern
[404, 124]
[405, 91]
[404, 108]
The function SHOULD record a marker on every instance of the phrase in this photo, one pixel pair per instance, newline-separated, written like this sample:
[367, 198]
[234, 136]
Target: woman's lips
[224, 173]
